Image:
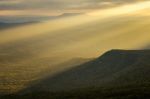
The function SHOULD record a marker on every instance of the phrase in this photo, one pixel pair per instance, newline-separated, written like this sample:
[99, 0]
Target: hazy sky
[55, 4]
[24, 8]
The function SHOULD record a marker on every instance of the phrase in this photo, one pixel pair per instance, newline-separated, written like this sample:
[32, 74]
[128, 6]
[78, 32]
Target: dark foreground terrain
[123, 92]
[118, 74]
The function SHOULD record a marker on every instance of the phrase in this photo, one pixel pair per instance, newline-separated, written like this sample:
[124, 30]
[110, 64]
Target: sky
[12, 9]
[127, 19]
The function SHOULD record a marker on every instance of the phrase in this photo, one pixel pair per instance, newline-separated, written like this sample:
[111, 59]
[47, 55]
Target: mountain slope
[116, 66]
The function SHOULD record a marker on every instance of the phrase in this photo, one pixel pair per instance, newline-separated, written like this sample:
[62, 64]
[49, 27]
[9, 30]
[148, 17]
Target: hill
[117, 74]
[114, 68]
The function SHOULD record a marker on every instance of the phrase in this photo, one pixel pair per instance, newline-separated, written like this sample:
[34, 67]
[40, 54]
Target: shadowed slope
[116, 66]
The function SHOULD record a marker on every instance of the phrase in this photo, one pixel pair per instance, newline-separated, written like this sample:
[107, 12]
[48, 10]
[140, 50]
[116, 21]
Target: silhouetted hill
[123, 67]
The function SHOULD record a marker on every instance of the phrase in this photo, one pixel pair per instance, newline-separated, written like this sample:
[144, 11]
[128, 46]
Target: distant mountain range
[5, 21]
[5, 25]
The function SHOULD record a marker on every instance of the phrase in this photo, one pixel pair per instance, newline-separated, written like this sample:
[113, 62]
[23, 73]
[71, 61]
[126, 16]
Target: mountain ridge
[115, 66]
